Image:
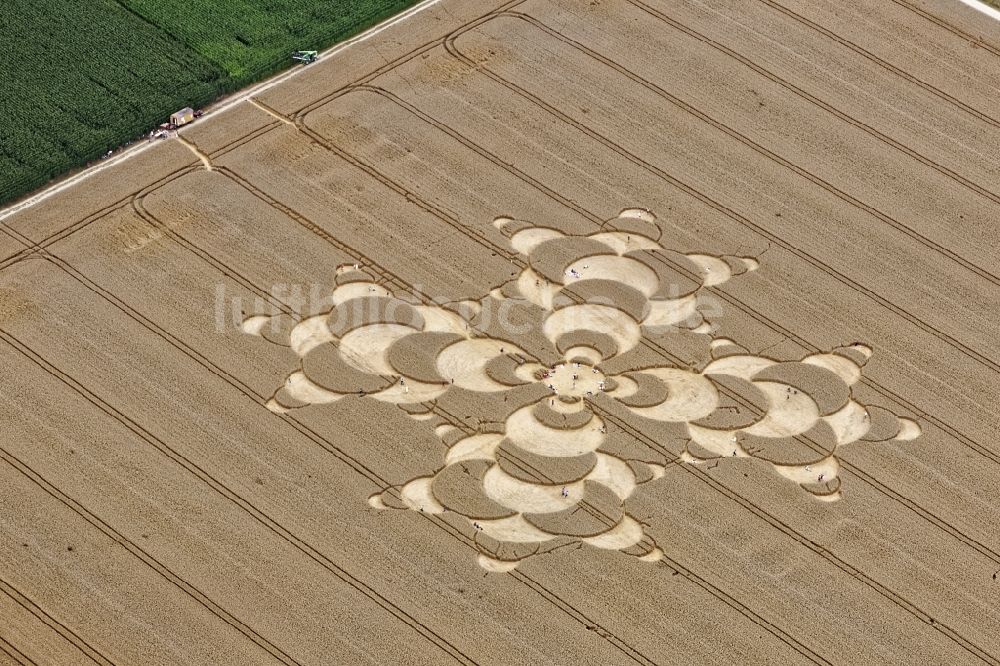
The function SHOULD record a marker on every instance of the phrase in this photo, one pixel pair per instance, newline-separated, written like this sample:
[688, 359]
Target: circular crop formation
[560, 467]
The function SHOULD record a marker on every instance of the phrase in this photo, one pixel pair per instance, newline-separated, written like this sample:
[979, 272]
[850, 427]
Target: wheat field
[544, 331]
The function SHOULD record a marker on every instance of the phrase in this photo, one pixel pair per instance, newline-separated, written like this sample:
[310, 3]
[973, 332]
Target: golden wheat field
[544, 331]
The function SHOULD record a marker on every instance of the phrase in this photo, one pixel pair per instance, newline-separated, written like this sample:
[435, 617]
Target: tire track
[874, 482]
[27, 604]
[693, 577]
[209, 480]
[140, 210]
[390, 65]
[878, 486]
[387, 277]
[11, 234]
[15, 655]
[967, 36]
[30, 247]
[784, 83]
[33, 247]
[187, 588]
[718, 291]
[729, 131]
[123, 202]
[412, 198]
[733, 215]
[907, 606]
[888, 66]
[245, 139]
[808, 543]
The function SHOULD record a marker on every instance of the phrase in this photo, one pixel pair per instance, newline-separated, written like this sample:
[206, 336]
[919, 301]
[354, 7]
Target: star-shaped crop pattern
[602, 310]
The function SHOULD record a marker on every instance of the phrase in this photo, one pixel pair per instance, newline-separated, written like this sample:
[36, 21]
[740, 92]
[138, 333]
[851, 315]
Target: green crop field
[81, 77]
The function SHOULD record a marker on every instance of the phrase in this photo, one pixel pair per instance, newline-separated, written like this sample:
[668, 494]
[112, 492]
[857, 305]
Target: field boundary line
[69, 182]
[217, 108]
[992, 12]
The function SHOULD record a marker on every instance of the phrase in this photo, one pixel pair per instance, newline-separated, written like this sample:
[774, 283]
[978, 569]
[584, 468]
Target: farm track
[14, 654]
[439, 211]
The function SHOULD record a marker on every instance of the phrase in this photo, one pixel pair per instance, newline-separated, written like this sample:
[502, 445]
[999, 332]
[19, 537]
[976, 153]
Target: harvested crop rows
[629, 331]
